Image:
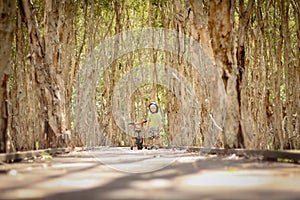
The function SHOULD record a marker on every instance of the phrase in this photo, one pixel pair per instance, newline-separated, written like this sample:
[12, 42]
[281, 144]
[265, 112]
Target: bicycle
[139, 139]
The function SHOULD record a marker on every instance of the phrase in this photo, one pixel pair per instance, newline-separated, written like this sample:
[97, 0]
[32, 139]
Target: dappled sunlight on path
[79, 175]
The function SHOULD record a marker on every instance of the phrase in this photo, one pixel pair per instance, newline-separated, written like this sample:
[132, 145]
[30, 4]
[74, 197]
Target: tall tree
[215, 26]
[7, 27]
[46, 61]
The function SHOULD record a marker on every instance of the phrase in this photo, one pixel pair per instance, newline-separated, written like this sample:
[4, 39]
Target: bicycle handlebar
[135, 123]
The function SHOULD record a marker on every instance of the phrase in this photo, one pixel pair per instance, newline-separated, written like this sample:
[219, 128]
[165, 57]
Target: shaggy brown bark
[7, 26]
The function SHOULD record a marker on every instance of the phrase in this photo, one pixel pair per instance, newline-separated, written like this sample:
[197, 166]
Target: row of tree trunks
[41, 79]
[274, 76]
[214, 26]
[254, 46]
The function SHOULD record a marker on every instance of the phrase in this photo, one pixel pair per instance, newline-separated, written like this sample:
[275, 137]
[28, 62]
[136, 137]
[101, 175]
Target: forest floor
[119, 173]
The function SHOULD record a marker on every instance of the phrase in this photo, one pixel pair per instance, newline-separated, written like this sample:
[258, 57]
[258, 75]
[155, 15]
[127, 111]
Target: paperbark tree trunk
[50, 127]
[220, 26]
[7, 26]
[216, 31]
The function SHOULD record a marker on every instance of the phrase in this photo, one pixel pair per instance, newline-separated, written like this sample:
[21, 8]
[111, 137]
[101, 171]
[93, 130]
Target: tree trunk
[296, 138]
[50, 122]
[7, 26]
[220, 26]
[246, 121]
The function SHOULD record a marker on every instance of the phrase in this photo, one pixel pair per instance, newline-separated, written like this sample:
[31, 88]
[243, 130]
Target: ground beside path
[119, 173]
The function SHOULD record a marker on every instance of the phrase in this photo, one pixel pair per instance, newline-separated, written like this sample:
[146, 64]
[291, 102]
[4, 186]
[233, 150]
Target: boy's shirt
[155, 120]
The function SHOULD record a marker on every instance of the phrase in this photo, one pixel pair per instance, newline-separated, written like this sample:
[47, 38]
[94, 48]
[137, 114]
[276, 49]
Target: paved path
[118, 173]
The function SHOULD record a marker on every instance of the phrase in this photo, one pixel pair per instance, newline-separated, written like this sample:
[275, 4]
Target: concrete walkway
[119, 173]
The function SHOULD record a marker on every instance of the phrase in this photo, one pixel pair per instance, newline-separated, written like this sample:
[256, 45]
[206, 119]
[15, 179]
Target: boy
[154, 125]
